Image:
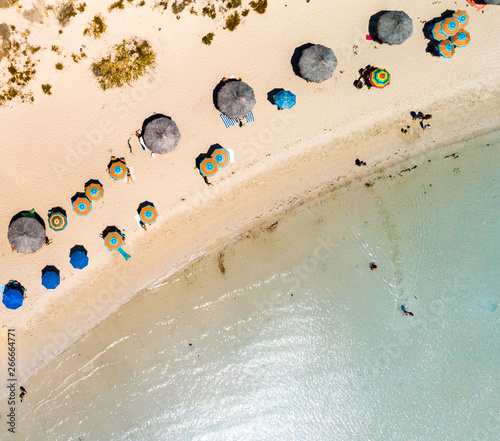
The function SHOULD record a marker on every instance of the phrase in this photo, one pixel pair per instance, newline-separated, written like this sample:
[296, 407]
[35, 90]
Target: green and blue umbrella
[285, 99]
[50, 277]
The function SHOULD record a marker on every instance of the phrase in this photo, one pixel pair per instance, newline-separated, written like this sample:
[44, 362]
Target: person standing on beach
[23, 393]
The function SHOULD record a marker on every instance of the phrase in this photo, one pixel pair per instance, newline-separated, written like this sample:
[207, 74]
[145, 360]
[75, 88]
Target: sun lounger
[250, 117]
[141, 141]
[228, 122]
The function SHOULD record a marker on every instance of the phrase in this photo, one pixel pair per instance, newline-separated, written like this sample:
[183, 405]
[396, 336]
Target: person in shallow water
[405, 312]
[373, 266]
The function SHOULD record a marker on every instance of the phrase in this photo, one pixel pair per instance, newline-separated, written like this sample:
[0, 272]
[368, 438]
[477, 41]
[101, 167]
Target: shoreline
[113, 289]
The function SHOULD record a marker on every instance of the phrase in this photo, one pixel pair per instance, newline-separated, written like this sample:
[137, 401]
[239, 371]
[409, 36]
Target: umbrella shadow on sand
[217, 89]
[297, 53]
[372, 25]
[270, 95]
[34, 215]
[427, 28]
[78, 248]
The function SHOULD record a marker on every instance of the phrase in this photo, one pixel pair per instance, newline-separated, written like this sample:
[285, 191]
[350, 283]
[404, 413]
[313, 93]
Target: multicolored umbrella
[50, 277]
[81, 204]
[462, 17]
[12, 298]
[78, 257]
[221, 156]
[94, 190]
[57, 219]
[117, 168]
[147, 212]
[450, 26]
[208, 166]
[379, 78]
[285, 99]
[437, 32]
[461, 38]
[446, 49]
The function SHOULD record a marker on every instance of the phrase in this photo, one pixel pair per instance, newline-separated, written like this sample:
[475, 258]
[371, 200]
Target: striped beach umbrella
[208, 166]
[147, 212]
[81, 204]
[221, 156]
[57, 219]
[117, 168]
[379, 78]
[446, 49]
[12, 298]
[285, 99]
[113, 240]
[450, 26]
[94, 190]
[78, 257]
[50, 277]
[462, 17]
[461, 38]
[437, 32]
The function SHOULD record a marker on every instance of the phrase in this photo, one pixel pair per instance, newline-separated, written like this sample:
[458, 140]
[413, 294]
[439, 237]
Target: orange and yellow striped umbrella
[462, 17]
[450, 26]
[221, 156]
[113, 240]
[446, 49]
[94, 190]
[81, 204]
[461, 39]
[117, 168]
[379, 78]
[57, 221]
[208, 166]
[148, 213]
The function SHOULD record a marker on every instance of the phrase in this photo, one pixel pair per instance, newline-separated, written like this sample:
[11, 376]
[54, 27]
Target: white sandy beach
[50, 148]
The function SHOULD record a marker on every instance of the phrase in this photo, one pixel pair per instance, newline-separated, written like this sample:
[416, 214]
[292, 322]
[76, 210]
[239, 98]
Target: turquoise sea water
[299, 340]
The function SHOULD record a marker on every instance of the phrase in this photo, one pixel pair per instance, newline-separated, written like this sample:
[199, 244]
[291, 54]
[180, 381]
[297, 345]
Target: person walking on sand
[129, 176]
[23, 393]
[143, 225]
[426, 126]
[427, 116]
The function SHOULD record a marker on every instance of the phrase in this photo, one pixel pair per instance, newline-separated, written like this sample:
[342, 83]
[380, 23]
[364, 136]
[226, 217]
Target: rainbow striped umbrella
[437, 32]
[379, 78]
[446, 49]
[462, 17]
[208, 166]
[81, 204]
[461, 38]
[450, 26]
[221, 156]
[117, 168]
[147, 212]
[57, 219]
[94, 190]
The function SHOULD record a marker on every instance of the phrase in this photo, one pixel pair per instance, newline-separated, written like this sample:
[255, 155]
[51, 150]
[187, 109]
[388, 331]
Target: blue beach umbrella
[78, 257]
[12, 298]
[285, 99]
[50, 277]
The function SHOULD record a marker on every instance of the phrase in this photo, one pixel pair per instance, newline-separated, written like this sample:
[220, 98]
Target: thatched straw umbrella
[26, 234]
[160, 134]
[394, 27]
[317, 63]
[492, 2]
[235, 99]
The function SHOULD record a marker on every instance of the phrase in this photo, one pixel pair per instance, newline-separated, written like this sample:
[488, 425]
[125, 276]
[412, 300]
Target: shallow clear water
[299, 340]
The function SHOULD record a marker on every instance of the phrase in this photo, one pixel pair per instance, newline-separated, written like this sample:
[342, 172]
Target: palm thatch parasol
[317, 63]
[394, 27]
[160, 134]
[235, 99]
[26, 234]
[492, 2]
